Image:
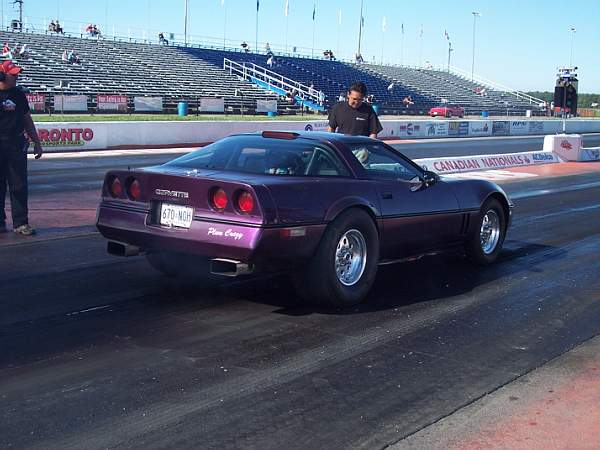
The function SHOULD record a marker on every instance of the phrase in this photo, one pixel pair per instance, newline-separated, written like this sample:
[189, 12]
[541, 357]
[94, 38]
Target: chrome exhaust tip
[229, 267]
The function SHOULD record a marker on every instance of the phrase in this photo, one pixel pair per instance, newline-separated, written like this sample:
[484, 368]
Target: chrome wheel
[490, 232]
[350, 257]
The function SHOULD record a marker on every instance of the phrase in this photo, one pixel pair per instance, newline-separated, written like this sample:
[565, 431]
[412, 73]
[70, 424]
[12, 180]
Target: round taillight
[245, 202]
[219, 199]
[135, 190]
[116, 189]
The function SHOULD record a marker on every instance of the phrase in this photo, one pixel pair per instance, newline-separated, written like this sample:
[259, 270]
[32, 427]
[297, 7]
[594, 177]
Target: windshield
[259, 155]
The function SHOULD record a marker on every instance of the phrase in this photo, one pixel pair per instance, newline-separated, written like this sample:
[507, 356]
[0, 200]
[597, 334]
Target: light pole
[573, 31]
[475, 16]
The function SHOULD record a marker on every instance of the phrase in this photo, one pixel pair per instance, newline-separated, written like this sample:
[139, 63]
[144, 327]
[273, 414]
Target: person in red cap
[15, 120]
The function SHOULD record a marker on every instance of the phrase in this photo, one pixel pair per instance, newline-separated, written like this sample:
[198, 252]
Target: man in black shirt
[353, 116]
[15, 119]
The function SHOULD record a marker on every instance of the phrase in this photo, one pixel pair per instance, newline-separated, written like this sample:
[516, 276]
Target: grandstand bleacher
[186, 73]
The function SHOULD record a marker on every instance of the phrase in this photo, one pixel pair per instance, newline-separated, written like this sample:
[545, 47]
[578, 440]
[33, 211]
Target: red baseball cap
[10, 68]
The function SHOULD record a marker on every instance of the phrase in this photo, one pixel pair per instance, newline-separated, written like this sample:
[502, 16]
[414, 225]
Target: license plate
[176, 215]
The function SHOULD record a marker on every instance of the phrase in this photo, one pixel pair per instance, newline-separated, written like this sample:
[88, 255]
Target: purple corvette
[329, 207]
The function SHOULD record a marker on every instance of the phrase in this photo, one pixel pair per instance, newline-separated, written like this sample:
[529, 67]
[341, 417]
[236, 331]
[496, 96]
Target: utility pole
[360, 25]
[475, 16]
[450, 50]
[573, 31]
[20, 3]
[185, 24]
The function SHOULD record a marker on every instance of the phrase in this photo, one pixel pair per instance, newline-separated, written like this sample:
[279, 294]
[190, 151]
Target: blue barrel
[376, 109]
[182, 109]
[272, 113]
[485, 114]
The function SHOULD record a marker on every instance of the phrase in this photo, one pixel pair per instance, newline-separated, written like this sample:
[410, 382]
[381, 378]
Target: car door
[416, 217]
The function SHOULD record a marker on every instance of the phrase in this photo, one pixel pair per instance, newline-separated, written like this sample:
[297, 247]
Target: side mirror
[421, 182]
[430, 178]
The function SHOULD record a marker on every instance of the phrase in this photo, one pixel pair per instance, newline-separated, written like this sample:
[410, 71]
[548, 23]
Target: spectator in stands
[353, 116]
[52, 27]
[408, 101]
[92, 30]
[342, 97]
[15, 121]
[245, 46]
[270, 61]
[20, 52]
[359, 58]
[58, 28]
[311, 88]
[72, 57]
[161, 39]
[7, 52]
[390, 88]
[268, 49]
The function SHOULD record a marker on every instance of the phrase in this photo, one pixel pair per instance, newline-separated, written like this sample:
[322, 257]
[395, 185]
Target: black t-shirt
[13, 107]
[356, 122]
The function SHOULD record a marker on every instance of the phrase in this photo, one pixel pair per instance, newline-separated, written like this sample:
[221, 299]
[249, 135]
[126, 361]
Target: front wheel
[485, 242]
[344, 267]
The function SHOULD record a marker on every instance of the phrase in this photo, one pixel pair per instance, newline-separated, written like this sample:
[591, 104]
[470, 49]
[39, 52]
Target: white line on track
[495, 175]
[93, 153]
[96, 308]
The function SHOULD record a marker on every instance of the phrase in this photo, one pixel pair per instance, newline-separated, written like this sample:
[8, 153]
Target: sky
[518, 44]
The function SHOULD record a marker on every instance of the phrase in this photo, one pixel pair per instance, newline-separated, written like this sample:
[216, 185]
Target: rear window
[259, 155]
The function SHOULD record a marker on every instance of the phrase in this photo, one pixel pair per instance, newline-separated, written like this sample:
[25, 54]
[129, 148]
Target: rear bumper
[249, 243]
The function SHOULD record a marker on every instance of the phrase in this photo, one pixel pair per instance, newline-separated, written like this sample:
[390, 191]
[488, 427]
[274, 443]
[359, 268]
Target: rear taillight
[219, 199]
[245, 202]
[116, 189]
[134, 190]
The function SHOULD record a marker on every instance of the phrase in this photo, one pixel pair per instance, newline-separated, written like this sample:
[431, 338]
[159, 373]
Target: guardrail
[496, 86]
[306, 95]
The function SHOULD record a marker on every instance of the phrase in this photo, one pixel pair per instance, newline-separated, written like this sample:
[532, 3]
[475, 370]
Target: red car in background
[447, 111]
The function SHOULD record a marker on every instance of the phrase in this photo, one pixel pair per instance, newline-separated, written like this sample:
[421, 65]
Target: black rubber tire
[473, 245]
[317, 282]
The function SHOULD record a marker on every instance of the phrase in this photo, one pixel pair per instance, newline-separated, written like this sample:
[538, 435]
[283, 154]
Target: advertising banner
[58, 137]
[212, 104]
[458, 129]
[485, 162]
[266, 105]
[536, 127]
[519, 127]
[316, 126]
[411, 129]
[37, 102]
[112, 102]
[436, 129]
[480, 128]
[501, 128]
[70, 103]
[148, 104]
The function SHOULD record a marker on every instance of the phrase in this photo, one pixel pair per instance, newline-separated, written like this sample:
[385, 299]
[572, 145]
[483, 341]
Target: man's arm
[32, 133]
[332, 120]
[374, 126]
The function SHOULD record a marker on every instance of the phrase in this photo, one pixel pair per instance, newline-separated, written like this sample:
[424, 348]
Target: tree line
[583, 100]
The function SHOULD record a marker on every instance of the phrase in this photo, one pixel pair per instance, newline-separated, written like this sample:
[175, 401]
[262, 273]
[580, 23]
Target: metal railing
[250, 71]
[496, 86]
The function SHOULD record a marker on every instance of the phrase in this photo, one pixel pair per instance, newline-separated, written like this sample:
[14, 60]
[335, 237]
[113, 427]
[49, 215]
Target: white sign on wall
[146, 104]
[212, 104]
[70, 102]
[266, 105]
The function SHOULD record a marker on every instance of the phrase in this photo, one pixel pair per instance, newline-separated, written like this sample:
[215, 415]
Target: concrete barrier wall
[61, 136]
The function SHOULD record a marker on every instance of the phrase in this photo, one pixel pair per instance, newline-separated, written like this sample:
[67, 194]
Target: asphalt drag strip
[102, 352]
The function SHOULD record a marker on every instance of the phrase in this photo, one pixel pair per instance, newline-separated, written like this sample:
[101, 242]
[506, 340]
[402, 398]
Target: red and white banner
[486, 162]
[112, 102]
[37, 102]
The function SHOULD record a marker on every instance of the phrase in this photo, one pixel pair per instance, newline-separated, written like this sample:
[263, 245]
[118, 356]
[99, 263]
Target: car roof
[322, 136]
